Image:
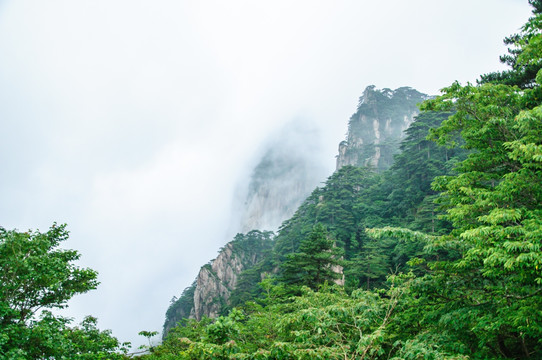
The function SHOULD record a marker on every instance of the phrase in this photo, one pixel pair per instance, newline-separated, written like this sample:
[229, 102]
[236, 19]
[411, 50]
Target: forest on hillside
[438, 257]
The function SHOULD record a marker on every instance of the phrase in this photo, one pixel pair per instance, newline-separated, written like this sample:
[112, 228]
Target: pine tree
[318, 261]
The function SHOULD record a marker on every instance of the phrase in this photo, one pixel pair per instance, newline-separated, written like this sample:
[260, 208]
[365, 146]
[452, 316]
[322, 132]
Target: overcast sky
[133, 121]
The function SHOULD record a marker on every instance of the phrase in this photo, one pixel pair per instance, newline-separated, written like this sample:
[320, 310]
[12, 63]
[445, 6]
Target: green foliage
[317, 261]
[523, 72]
[474, 259]
[410, 199]
[332, 206]
[486, 302]
[328, 324]
[35, 274]
[494, 205]
[250, 250]
[180, 308]
[148, 335]
[224, 328]
[370, 266]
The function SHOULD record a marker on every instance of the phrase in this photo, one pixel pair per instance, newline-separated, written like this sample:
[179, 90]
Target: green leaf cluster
[318, 261]
[459, 213]
[35, 276]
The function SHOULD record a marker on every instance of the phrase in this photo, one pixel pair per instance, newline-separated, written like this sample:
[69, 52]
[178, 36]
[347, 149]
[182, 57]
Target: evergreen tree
[486, 302]
[370, 266]
[333, 206]
[408, 182]
[522, 73]
[318, 261]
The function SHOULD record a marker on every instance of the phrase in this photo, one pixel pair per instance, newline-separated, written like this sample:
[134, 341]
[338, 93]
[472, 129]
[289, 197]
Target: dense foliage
[467, 271]
[317, 262]
[326, 232]
[376, 126]
[248, 249]
[35, 275]
[439, 257]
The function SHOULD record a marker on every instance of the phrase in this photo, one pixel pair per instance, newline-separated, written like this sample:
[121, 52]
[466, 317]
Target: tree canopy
[35, 276]
[317, 262]
[468, 268]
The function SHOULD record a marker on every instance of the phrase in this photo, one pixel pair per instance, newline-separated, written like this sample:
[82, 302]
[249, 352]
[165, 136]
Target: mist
[289, 167]
[136, 123]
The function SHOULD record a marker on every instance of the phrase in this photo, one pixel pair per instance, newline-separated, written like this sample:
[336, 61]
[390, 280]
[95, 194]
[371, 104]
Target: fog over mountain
[289, 169]
[136, 123]
[290, 166]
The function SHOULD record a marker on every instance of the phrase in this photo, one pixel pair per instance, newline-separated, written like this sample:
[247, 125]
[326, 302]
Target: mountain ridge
[384, 109]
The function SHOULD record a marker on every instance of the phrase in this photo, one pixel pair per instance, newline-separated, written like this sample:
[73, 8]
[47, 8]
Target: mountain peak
[376, 128]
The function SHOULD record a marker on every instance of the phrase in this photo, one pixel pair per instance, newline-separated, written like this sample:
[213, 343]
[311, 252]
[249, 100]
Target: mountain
[376, 128]
[289, 168]
[279, 191]
[211, 291]
[454, 230]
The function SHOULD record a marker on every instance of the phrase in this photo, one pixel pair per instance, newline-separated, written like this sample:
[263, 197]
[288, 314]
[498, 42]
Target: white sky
[132, 121]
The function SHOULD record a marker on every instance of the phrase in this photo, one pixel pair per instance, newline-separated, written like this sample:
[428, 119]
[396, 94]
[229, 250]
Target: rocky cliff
[287, 171]
[289, 168]
[209, 295]
[376, 128]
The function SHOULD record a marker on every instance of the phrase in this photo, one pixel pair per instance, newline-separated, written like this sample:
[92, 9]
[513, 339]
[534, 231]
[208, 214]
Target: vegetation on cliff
[441, 255]
[376, 128]
[466, 274]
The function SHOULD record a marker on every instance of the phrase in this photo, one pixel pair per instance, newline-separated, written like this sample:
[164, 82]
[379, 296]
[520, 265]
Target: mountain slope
[376, 128]
[353, 198]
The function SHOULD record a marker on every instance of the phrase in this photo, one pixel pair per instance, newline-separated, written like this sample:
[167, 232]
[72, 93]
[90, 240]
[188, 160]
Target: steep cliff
[210, 293]
[376, 128]
[289, 168]
[286, 173]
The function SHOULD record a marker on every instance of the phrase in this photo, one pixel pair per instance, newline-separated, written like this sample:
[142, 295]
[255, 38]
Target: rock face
[209, 294]
[289, 169]
[216, 280]
[376, 129]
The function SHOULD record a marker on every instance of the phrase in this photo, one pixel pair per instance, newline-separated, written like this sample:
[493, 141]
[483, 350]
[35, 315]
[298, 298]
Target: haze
[134, 121]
